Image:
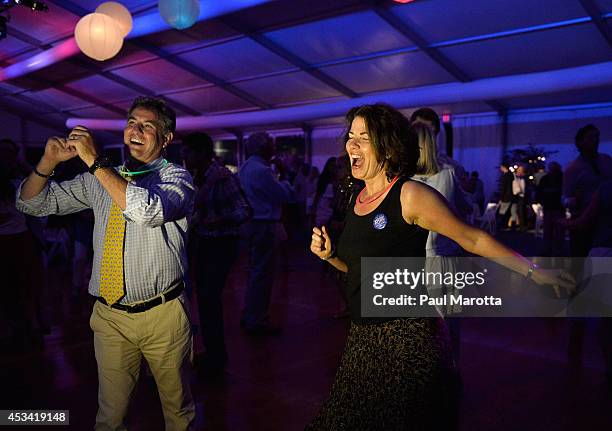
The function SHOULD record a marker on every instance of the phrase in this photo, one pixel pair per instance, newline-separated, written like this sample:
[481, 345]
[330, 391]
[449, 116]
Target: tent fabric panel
[442, 21]
[287, 89]
[103, 89]
[160, 76]
[531, 52]
[236, 59]
[208, 100]
[386, 73]
[354, 34]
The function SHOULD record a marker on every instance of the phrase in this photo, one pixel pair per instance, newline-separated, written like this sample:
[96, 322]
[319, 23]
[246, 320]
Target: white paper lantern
[180, 14]
[119, 13]
[98, 36]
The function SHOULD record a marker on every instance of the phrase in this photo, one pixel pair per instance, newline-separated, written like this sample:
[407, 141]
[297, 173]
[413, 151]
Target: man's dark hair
[162, 110]
[256, 142]
[429, 115]
[582, 132]
[394, 141]
[474, 174]
[201, 143]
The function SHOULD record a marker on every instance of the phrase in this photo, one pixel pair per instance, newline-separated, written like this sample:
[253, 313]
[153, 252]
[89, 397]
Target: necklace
[125, 172]
[376, 195]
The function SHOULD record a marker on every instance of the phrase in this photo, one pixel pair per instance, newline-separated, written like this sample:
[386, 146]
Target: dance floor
[515, 371]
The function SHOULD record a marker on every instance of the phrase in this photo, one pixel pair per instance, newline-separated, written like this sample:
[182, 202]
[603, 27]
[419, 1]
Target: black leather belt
[147, 305]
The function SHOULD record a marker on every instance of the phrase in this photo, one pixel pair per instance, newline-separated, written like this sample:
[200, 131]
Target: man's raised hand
[57, 150]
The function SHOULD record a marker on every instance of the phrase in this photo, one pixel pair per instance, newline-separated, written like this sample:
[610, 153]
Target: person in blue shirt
[266, 192]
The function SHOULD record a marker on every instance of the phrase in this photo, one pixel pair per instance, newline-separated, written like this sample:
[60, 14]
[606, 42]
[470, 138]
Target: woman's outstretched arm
[425, 207]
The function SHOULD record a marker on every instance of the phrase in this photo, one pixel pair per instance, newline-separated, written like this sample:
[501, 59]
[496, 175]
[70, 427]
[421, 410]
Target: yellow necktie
[111, 269]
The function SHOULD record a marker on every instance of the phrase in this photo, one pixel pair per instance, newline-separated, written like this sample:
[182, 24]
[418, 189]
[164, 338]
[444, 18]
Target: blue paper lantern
[180, 14]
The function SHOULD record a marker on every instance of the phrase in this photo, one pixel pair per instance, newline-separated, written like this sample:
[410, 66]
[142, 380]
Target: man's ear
[168, 139]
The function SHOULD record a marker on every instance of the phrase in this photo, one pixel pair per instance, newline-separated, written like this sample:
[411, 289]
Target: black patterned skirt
[396, 375]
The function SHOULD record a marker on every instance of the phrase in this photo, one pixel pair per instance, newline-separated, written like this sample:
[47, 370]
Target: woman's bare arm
[425, 207]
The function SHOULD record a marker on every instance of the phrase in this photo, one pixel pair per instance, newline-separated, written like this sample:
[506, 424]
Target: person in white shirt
[519, 209]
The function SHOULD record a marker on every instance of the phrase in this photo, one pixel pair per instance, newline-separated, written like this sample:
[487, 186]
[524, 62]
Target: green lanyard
[125, 173]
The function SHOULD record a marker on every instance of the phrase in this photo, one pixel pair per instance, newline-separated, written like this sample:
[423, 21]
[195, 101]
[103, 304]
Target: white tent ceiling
[289, 53]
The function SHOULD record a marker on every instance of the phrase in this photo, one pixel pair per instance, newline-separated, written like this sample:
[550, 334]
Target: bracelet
[532, 268]
[43, 175]
[332, 254]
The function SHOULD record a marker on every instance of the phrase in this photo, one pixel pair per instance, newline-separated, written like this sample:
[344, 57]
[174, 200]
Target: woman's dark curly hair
[395, 143]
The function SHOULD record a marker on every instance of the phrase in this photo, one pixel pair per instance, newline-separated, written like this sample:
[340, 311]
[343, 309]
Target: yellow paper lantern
[119, 13]
[98, 36]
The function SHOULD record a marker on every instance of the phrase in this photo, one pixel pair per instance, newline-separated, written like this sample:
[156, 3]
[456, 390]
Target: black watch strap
[100, 162]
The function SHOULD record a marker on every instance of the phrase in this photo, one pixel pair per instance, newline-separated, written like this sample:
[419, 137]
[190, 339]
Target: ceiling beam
[287, 56]
[596, 15]
[431, 52]
[401, 27]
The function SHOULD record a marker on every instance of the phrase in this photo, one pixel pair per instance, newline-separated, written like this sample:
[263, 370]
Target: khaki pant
[163, 336]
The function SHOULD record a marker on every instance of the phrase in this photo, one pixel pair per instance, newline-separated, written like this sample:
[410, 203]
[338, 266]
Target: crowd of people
[561, 194]
[150, 220]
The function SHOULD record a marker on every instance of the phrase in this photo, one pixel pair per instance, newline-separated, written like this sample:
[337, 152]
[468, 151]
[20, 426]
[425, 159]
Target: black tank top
[381, 233]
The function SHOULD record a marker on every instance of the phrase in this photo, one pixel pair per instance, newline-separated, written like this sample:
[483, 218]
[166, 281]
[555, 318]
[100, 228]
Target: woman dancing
[395, 372]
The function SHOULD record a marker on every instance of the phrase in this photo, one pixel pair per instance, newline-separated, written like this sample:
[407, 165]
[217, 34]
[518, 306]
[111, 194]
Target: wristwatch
[100, 162]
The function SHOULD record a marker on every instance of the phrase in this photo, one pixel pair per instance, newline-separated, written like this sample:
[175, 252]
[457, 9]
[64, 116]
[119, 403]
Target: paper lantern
[180, 14]
[98, 36]
[119, 13]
